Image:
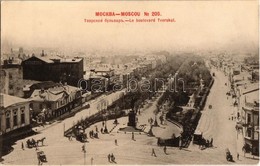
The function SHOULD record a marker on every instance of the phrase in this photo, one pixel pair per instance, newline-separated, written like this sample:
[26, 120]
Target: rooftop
[252, 97]
[53, 58]
[250, 88]
[52, 94]
[9, 100]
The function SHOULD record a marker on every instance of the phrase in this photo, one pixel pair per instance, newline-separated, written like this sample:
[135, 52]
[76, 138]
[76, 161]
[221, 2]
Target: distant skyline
[217, 25]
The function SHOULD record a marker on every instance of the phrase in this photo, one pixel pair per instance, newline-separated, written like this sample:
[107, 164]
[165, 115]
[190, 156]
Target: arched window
[15, 120]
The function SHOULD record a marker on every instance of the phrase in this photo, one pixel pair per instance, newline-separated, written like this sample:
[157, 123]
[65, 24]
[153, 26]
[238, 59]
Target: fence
[87, 122]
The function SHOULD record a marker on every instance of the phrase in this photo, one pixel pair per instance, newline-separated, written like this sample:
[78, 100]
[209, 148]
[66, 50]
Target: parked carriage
[41, 156]
[229, 157]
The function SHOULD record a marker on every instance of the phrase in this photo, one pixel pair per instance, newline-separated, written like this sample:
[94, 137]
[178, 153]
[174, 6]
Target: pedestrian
[133, 136]
[211, 142]
[101, 130]
[180, 143]
[164, 149]
[116, 142]
[109, 157]
[92, 160]
[237, 156]
[103, 123]
[153, 153]
[113, 159]
[22, 146]
[83, 148]
[39, 161]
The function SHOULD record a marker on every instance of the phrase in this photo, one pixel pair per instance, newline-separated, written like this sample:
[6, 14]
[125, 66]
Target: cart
[229, 157]
[197, 137]
[41, 156]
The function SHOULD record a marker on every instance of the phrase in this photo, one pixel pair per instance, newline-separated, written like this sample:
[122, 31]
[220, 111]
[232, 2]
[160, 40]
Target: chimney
[1, 100]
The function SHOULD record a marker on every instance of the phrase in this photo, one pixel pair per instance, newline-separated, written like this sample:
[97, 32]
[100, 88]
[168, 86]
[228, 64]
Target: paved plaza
[214, 123]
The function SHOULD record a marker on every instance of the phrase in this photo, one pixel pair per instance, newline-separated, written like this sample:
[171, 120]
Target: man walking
[83, 148]
[22, 146]
[153, 153]
[92, 160]
[133, 136]
[109, 157]
[164, 149]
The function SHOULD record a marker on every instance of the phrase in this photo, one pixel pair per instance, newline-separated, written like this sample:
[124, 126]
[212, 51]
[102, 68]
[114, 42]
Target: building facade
[53, 68]
[4, 82]
[53, 102]
[250, 120]
[14, 115]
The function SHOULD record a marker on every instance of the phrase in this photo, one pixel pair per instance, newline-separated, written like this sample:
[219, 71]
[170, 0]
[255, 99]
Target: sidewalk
[53, 122]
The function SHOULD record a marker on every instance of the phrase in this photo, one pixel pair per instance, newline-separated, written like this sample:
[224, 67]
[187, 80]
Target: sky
[199, 25]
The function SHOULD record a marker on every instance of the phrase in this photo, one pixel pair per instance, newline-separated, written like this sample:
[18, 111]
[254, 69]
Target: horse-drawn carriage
[41, 156]
[31, 143]
[82, 137]
[80, 134]
[229, 157]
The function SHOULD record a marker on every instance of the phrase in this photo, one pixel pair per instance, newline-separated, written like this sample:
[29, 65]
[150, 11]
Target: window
[15, 117]
[7, 120]
[22, 115]
[249, 133]
[248, 118]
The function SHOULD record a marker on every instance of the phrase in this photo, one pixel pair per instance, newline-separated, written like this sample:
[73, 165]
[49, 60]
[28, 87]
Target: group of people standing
[111, 158]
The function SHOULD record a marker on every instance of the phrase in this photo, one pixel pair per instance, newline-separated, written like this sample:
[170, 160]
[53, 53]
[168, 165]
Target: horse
[40, 140]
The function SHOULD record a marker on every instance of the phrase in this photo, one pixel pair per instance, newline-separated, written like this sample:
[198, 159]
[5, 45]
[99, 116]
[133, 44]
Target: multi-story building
[55, 101]
[53, 68]
[4, 82]
[249, 104]
[14, 114]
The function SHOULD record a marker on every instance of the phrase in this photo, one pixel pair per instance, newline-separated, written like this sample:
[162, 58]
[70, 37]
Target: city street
[214, 124]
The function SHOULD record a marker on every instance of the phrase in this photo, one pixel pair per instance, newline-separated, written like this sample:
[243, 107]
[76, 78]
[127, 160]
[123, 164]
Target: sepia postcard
[129, 82]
